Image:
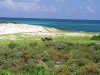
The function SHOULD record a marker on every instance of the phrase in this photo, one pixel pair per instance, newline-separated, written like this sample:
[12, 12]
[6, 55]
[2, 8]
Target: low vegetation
[61, 56]
[9, 22]
[96, 37]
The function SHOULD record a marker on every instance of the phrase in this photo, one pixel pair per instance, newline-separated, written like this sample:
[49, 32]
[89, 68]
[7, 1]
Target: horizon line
[46, 18]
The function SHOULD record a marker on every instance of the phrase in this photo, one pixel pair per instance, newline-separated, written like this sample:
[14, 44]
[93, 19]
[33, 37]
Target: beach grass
[69, 53]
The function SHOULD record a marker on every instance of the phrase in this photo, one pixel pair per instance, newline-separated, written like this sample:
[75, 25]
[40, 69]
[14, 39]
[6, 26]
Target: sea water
[66, 24]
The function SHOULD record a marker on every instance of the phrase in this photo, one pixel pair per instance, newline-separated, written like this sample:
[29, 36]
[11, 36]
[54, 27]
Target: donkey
[48, 38]
[43, 39]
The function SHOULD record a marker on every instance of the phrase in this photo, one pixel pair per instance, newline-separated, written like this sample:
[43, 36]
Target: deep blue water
[77, 25]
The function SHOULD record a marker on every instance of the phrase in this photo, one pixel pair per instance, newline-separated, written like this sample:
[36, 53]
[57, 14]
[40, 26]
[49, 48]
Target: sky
[53, 9]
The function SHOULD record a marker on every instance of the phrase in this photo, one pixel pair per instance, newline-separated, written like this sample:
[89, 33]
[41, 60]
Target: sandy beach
[17, 28]
[10, 28]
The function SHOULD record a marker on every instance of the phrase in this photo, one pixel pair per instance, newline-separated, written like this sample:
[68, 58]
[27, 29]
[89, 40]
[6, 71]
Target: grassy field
[25, 54]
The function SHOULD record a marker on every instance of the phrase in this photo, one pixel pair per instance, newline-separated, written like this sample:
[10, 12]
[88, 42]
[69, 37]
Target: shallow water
[77, 25]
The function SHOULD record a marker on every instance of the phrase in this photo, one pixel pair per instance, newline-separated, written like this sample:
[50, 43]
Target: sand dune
[16, 28]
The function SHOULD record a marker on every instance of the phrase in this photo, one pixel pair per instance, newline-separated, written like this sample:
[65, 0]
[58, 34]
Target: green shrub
[45, 57]
[3, 22]
[96, 37]
[33, 44]
[51, 63]
[12, 45]
[62, 46]
[22, 48]
[81, 62]
[57, 56]
[6, 65]
[26, 55]
[1, 62]
[62, 71]
[90, 69]
[49, 44]
[96, 57]
[72, 67]
[30, 68]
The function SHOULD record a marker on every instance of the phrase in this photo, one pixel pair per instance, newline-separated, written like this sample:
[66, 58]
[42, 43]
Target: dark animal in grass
[43, 39]
[48, 38]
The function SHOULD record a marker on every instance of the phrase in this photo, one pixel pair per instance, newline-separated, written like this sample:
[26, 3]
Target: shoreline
[35, 30]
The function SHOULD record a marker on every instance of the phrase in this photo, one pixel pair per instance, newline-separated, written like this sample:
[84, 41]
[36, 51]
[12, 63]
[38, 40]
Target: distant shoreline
[46, 18]
[69, 25]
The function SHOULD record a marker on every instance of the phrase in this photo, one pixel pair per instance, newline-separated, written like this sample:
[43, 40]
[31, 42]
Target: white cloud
[46, 9]
[53, 9]
[90, 10]
[61, 1]
[96, 1]
[50, 9]
[33, 6]
[20, 6]
[8, 3]
[35, 1]
[90, 1]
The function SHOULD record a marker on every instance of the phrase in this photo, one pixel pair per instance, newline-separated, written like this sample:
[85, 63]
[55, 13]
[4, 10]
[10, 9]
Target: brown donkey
[48, 38]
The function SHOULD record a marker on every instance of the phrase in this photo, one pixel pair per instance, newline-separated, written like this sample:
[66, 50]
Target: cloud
[61, 1]
[50, 9]
[90, 10]
[53, 9]
[23, 5]
[46, 8]
[90, 1]
[19, 6]
[34, 1]
[93, 1]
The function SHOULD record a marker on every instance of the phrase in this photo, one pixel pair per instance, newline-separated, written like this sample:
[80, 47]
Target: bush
[62, 71]
[3, 22]
[45, 57]
[62, 46]
[96, 57]
[96, 37]
[51, 63]
[22, 48]
[48, 44]
[57, 56]
[33, 44]
[26, 56]
[81, 62]
[1, 62]
[30, 68]
[12, 45]
[90, 69]
[72, 67]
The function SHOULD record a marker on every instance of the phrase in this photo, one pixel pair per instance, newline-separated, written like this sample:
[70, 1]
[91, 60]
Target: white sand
[11, 28]
[16, 28]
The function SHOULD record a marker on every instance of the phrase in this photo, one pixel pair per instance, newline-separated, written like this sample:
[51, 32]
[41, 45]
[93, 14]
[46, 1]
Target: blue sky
[57, 9]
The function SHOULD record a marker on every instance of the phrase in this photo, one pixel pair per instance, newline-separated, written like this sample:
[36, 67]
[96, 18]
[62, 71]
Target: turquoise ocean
[66, 24]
